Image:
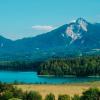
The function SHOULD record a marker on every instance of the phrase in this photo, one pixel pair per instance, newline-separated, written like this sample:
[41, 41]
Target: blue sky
[26, 18]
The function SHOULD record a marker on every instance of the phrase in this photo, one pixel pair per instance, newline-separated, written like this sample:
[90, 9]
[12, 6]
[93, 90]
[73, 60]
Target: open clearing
[69, 89]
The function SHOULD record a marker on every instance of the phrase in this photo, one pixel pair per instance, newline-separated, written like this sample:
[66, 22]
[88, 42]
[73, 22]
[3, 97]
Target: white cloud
[72, 21]
[42, 28]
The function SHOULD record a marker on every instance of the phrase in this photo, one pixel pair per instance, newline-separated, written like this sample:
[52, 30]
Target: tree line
[76, 66]
[79, 66]
[19, 65]
[10, 92]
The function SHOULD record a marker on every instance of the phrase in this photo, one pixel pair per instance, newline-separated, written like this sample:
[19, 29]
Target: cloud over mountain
[43, 27]
[78, 38]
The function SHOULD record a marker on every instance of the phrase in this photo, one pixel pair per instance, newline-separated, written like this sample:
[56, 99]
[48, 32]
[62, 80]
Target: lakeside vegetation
[19, 65]
[78, 66]
[11, 92]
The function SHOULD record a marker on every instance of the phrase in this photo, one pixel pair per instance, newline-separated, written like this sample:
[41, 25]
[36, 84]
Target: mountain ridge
[76, 37]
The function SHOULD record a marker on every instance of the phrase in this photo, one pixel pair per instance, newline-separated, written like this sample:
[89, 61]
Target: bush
[76, 97]
[32, 95]
[63, 97]
[15, 99]
[5, 87]
[50, 97]
[91, 94]
[6, 95]
[17, 93]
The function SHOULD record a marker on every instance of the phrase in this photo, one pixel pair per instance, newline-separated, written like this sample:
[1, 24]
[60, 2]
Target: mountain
[79, 37]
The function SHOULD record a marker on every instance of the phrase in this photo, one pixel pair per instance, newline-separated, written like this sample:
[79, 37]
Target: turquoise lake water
[32, 77]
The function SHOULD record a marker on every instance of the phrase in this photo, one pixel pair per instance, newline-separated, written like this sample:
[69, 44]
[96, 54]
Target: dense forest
[77, 66]
[19, 65]
[80, 66]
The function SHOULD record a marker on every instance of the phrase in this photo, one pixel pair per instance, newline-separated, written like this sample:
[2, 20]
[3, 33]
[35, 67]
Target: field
[69, 89]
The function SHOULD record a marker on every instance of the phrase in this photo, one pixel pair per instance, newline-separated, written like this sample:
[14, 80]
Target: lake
[32, 77]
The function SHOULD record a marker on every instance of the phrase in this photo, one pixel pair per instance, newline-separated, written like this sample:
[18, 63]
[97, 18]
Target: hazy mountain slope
[80, 36]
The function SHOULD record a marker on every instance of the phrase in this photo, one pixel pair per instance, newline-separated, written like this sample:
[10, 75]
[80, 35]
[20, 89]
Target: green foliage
[76, 97]
[80, 66]
[17, 93]
[32, 95]
[6, 95]
[4, 87]
[10, 92]
[50, 97]
[91, 94]
[64, 97]
[15, 99]
[19, 65]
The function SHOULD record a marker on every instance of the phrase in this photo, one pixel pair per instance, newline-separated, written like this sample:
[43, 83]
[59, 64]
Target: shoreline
[65, 76]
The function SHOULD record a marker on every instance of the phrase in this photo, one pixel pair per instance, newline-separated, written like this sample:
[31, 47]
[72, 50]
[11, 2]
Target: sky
[27, 18]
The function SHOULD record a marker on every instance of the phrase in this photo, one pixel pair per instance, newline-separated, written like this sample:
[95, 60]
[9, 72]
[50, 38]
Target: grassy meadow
[70, 89]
